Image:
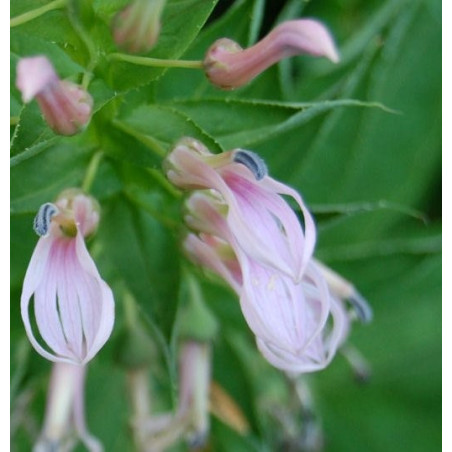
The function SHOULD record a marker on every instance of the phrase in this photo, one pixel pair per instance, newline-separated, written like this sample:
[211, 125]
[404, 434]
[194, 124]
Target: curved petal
[287, 362]
[105, 301]
[40, 280]
[309, 241]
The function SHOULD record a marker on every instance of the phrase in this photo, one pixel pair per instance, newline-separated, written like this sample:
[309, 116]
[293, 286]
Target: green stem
[91, 171]
[156, 62]
[130, 310]
[147, 140]
[89, 44]
[34, 13]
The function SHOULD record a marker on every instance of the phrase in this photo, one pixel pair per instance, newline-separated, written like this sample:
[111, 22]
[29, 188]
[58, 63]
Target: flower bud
[66, 106]
[229, 66]
[137, 27]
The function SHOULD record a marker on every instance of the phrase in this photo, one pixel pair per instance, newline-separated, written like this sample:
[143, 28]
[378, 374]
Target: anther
[41, 223]
[252, 161]
[361, 307]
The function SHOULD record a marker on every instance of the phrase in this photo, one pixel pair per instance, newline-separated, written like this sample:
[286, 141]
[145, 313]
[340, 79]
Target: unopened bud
[137, 27]
[66, 106]
[229, 66]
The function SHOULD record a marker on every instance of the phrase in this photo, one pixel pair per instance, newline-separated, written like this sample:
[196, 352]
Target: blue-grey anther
[41, 223]
[252, 161]
[361, 307]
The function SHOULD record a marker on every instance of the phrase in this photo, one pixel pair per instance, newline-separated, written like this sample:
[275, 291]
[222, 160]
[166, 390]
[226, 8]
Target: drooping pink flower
[73, 306]
[65, 413]
[298, 325]
[66, 106]
[262, 222]
[229, 66]
[136, 28]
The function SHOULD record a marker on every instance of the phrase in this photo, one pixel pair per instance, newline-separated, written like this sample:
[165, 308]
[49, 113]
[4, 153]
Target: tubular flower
[298, 326]
[261, 221]
[229, 66]
[65, 413]
[66, 106]
[194, 380]
[73, 306]
[136, 28]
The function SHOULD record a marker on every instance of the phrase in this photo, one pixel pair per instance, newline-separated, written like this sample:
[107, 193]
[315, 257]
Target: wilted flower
[136, 28]
[65, 106]
[259, 218]
[65, 414]
[73, 306]
[229, 66]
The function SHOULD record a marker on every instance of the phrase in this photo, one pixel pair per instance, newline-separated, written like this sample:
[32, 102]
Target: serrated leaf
[250, 122]
[167, 125]
[43, 171]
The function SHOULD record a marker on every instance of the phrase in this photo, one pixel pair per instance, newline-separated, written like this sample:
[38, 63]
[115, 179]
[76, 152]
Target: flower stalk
[35, 13]
[156, 62]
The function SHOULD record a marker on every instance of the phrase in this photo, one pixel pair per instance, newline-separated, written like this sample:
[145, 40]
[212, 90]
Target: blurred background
[370, 173]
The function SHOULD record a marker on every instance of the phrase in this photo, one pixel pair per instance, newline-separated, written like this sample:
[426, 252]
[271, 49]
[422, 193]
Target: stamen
[361, 307]
[252, 161]
[41, 223]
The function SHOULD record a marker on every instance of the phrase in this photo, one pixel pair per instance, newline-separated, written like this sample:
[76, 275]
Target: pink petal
[34, 74]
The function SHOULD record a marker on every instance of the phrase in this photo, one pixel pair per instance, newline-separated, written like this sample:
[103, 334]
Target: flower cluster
[246, 232]
[242, 227]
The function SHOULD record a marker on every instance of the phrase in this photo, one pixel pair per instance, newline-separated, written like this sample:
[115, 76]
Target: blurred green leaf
[146, 256]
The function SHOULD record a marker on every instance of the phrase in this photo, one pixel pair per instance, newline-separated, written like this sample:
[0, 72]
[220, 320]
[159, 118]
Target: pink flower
[298, 325]
[66, 107]
[73, 306]
[65, 413]
[136, 28]
[229, 66]
[259, 218]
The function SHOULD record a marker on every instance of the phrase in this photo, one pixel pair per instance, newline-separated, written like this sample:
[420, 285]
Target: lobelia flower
[259, 218]
[298, 326]
[65, 413]
[229, 66]
[66, 106]
[136, 28]
[73, 306]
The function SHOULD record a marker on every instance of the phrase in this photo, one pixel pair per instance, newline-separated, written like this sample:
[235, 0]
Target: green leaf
[250, 122]
[403, 348]
[39, 174]
[145, 255]
[166, 125]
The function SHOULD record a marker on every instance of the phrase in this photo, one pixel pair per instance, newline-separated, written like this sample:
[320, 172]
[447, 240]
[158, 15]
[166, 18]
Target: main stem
[34, 13]
[91, 171]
